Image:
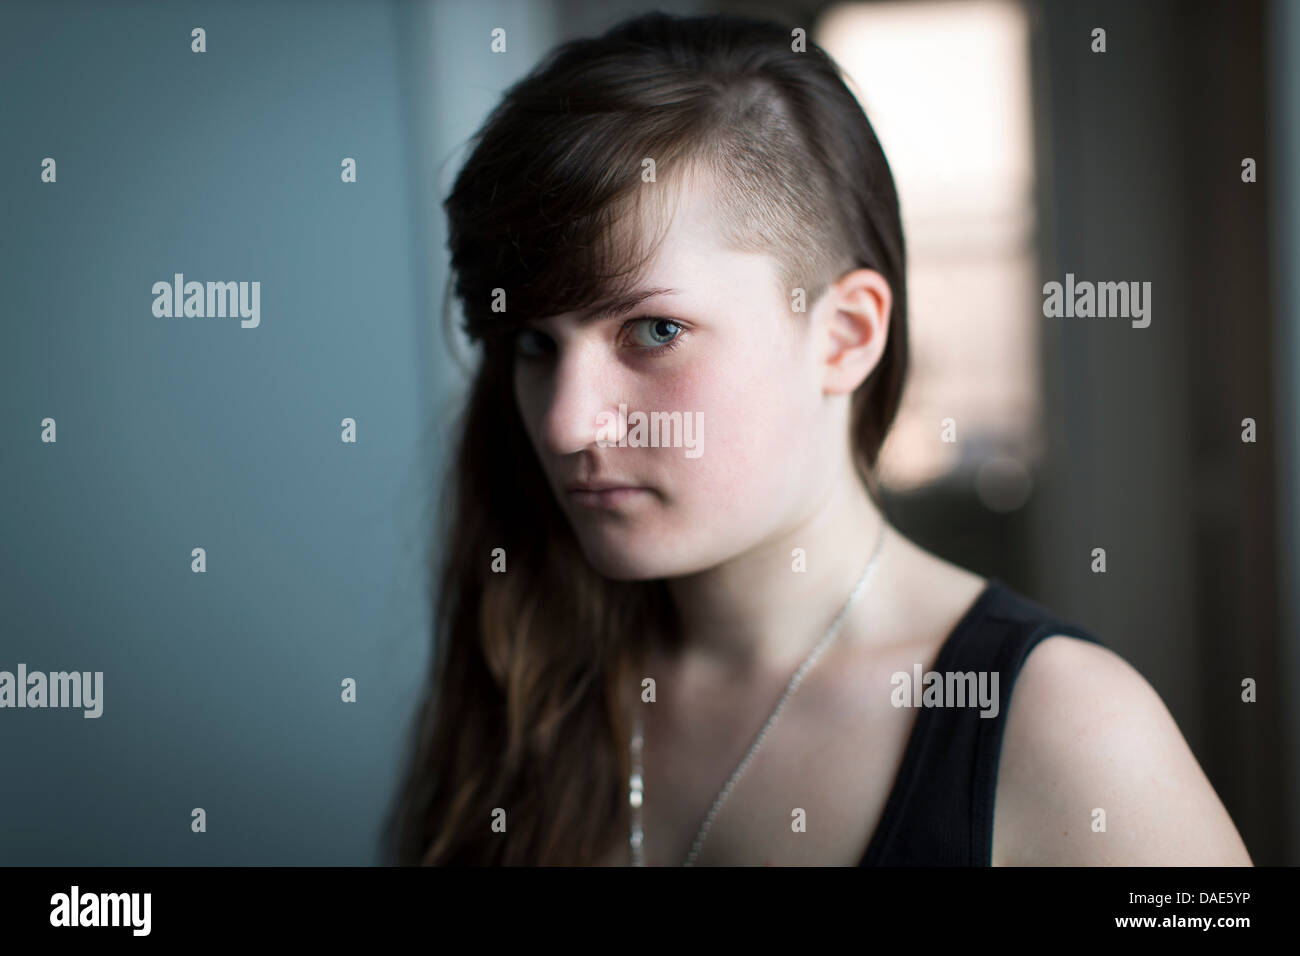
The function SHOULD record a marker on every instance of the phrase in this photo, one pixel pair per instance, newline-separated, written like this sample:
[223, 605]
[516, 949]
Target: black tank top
[940, 811]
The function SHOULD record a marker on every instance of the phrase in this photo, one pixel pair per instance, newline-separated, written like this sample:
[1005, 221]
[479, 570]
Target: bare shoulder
[1095, 772]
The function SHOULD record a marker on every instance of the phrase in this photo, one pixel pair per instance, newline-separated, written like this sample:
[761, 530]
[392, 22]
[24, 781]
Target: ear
[854, 327]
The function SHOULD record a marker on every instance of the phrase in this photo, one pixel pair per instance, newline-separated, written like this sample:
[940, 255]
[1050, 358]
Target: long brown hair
[525, 709]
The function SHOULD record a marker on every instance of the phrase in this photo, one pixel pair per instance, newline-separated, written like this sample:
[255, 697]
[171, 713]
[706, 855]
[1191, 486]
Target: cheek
[757, 416]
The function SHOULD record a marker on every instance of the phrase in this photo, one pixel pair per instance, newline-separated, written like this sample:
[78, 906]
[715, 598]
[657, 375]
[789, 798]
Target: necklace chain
[636, 785]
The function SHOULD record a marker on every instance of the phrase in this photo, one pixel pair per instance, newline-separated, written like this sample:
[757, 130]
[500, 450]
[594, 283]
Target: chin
[624, 564]
[639, 558]
[626, 558]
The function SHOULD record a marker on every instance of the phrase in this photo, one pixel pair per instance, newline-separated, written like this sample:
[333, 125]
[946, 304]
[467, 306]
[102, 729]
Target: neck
[758, 613]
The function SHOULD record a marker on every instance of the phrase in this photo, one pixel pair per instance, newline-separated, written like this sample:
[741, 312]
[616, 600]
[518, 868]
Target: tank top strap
[940, 811]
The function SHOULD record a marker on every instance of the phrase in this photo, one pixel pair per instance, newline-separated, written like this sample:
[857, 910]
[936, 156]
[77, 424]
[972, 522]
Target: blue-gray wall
[221, 689]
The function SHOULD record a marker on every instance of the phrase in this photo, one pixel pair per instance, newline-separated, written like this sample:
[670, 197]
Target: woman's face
[718, 372]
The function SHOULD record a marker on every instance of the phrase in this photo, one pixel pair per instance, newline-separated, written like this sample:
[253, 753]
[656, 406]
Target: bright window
[946, 87]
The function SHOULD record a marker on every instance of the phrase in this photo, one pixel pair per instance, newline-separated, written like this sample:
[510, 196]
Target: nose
[581, 390]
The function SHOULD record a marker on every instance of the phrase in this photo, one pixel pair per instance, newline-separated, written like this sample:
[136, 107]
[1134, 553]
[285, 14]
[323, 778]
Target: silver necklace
[636, 786]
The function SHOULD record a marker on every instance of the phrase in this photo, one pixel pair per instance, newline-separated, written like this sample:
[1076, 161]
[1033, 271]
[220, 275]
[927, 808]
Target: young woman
[698, 641]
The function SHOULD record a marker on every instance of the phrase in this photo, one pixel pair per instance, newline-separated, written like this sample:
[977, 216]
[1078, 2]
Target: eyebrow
[620, 305]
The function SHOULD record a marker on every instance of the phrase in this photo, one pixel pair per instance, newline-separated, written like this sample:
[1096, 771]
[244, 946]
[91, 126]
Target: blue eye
[659, 334]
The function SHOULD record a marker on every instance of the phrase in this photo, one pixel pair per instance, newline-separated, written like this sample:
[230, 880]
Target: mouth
[601, 494]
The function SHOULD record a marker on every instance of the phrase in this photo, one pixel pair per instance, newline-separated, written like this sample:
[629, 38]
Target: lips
[597, 485]
[603, 493]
